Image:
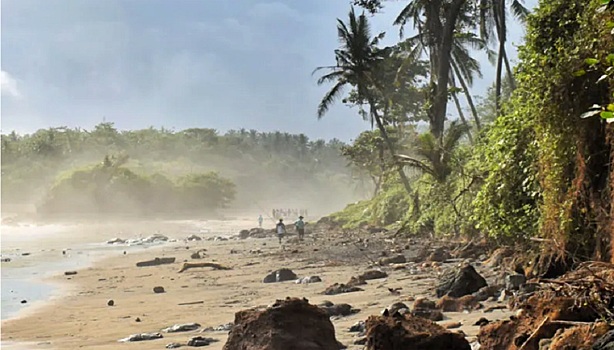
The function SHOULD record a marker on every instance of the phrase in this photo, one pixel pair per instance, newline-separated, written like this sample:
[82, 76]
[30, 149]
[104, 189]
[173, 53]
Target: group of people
[280, 228]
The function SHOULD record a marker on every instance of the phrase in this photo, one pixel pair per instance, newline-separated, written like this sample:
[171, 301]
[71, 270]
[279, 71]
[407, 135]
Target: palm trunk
[461, 115]
[391, 147]
[467, 93]
[500, 54]
[510, 74]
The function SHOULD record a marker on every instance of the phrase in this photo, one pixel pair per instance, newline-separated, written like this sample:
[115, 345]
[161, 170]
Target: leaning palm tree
[356, 62]
[493, 21]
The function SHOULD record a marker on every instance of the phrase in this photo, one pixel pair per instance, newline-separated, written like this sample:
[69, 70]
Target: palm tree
[493, 17]
[357, 59]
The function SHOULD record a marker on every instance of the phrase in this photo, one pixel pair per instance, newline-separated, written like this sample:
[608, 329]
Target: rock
[439, 255]
[410, 333]
[481, 322]
[451, 304]
[158, 289]
[280, 276]
[288, 324]
[173, 345]
[6, 260]
[372, 275]
[360, 341]
[24, 301]
[308, 279]
[514, 282]
[110, 302]
[200, 341]
[116, 241]
[357, 327]
[451, 325]
[141, 337]
[25, 254]
[505, 294]
[221, 328]
[397, 307]
[155, 238]
[433, 315]
[424, 303]
[544, 343]
[356, 281]
[338, 309]
[606, 342]
[340, 288]
[487, 292]
[156, 262]
[193, 238]
[181, 327]
[496, 258]
[138, 319]
[462, 282]
[528, 288]
[244, 234]
[397, 259]
[70, 273]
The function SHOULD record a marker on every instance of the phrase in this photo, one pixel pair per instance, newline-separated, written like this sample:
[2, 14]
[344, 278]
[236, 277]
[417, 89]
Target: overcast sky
[222, 64]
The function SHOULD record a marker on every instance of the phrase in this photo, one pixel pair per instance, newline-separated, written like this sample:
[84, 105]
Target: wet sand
[80, 318]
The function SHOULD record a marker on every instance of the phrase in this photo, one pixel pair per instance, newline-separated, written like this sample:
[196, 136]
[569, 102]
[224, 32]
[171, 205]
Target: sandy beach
[78, 316]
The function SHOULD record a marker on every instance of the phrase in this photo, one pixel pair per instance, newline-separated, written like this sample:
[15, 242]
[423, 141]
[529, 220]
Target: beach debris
[451, 324]
[426, 308]
[397, 259]
[158, 289]
[25, 254]
[198, 254]
[182, 327]
[155, 262]
[481, 322]
[280, 276]
[340, 288]
[110, 302]
[372, 275]
[356, 281]
[308, 279]
[439, 255]
[141, 337]
[70, 273]
[6, 260]
[200, 341]
[606, 342]
[192, 265]
[221, 328]
[304, 327]
[395, 291]
[138, 319]
[360, 341]
[392, 332]
[463, 281]
[192, 302]
[514, 282]
[487, 292]
[116, 240]
[24, 301]
[173, 345]
[193, 238]
[496, 258]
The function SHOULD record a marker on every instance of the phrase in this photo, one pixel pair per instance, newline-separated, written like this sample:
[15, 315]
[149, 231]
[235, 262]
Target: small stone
[482, 322]
[514, 282]
[158, 289]
[70, 273]
[138, 319]
[451, 325]
[110, 302]
[24, 301]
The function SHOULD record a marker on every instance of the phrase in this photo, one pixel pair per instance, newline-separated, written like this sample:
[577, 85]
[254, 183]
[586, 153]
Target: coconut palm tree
[356, 62]
[493, 21]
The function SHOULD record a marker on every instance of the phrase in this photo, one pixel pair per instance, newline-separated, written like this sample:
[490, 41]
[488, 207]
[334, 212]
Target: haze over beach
[308, 175]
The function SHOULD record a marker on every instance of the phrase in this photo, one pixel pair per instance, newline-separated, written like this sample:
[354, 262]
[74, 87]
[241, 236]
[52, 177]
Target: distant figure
[260, 219]
[281, 229]
[300, 227]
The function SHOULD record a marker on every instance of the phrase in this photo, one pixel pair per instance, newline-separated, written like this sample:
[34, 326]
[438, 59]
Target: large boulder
[461, 282]
[288, 324]
[406, 332]
[280, 276]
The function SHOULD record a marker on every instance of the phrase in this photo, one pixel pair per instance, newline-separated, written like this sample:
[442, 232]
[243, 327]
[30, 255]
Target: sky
[181, 63]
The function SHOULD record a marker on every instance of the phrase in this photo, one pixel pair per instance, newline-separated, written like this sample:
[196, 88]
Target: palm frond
[330, 98]
[416, 163]
[519, 10]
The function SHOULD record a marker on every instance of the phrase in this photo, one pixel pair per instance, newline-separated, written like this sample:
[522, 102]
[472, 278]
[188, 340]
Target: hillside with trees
[528, 164]
[158, 171]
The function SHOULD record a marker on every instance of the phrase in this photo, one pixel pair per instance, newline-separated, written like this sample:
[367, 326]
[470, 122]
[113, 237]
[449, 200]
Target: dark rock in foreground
[288, 324]
[155, 262]
[341, 288]
[395, 332]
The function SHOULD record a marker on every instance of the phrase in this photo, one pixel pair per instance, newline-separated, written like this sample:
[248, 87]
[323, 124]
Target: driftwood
[534, 334]
[192, 302]
[215, 266]
[155, 262]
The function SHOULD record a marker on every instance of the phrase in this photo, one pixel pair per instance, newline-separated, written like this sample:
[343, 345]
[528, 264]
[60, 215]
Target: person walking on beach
[260, 219]
[281, 229]
[300, 227]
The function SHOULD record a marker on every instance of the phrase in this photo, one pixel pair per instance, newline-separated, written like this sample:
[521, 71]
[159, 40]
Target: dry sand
[80, 317]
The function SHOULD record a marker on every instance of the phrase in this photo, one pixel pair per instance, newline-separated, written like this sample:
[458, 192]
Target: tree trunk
[500, 54]
[510, 74]
[461, 115]
[391, 147]
[437, 112]
[467, 93]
